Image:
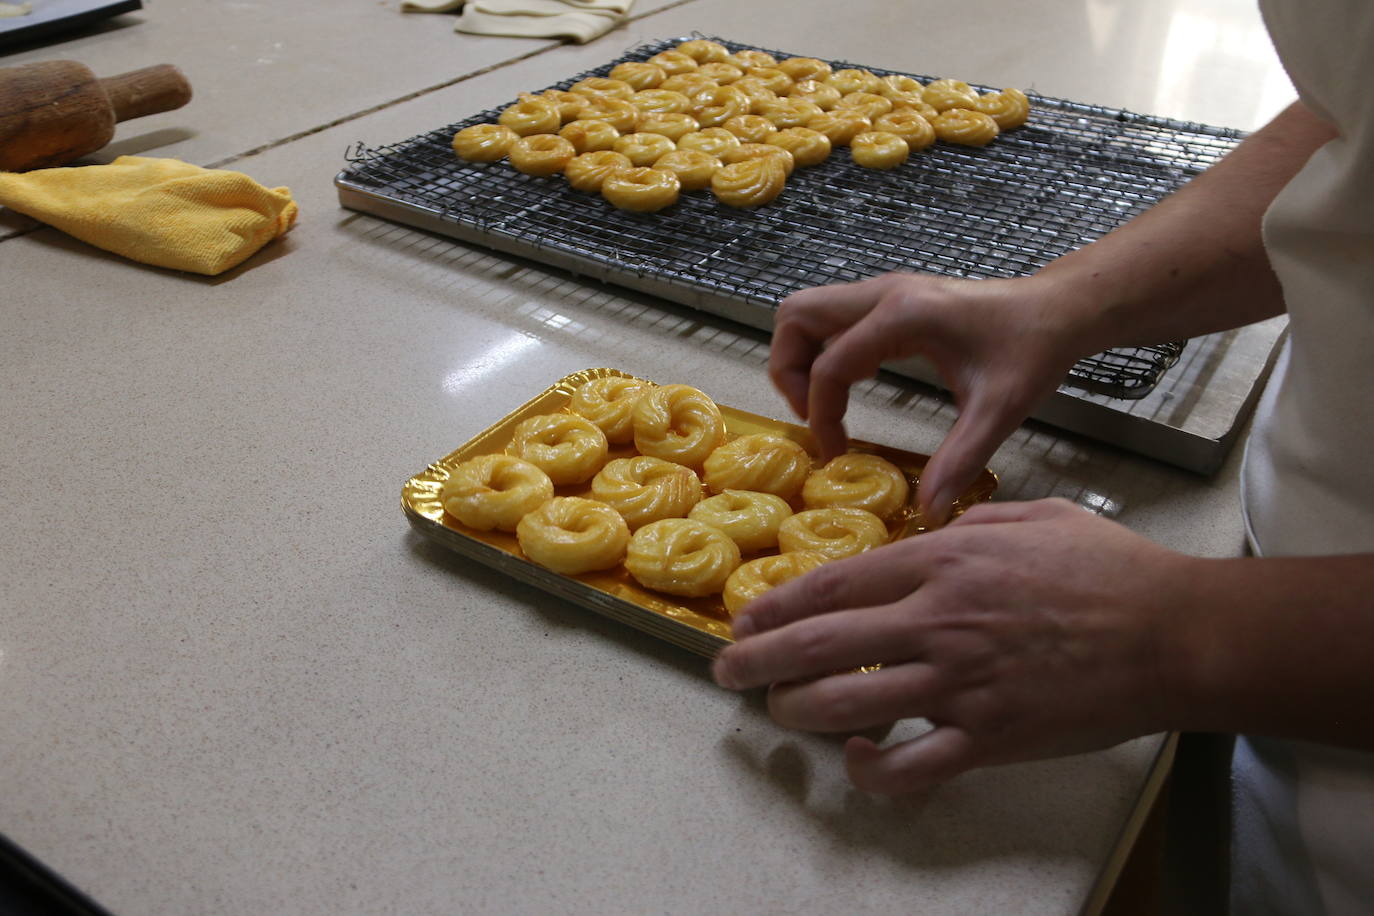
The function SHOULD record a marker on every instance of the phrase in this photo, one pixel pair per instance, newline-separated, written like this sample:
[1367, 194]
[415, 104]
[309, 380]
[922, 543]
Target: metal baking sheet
[701, 625]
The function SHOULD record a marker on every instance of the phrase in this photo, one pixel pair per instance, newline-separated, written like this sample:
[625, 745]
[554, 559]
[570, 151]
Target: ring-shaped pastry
[878, 149]
[609, 402]
[761, 462]
[484, 142]
[588, 136]
[759, 94]
[836, 533]
[603, 87]
[588, 171]
[750, 183]
[532, 115]
[921, 108]
[858, 481]
[618, 113]
[643, 149]
[654, 100]
[688, 83]
[751, 128]
[541, 154]
[569, 104]
[870, 103]
[965, 127]
[762, 151]
[693, 168]
[751, 579]
[747, 59]
[671, 124]
[494, 491]
[681, 557]
[674, 62]
[720, 71]
[808, 147]
[572, 535]
[1009, 108]
[713, 141]
[851, 79]
[944, 94]
[643, 190]
[713, 107]
[639, 74]
[771, 79]
[750, 519]
[704, 50]
[900, 88]
[567, 447]
[644, 489]
[840, 125]
[789, 112]
[823, 95]
[909, 125]
[804, 68]
[678, 423]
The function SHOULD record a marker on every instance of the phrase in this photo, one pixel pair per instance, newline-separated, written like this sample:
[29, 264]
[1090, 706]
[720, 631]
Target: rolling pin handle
[147, 91]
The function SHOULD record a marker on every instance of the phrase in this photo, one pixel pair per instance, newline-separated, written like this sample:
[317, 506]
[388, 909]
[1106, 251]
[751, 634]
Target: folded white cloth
[579, 20]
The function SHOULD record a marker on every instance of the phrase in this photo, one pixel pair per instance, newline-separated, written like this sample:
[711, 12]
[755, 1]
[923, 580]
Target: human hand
[1020, 631]
[999, 345]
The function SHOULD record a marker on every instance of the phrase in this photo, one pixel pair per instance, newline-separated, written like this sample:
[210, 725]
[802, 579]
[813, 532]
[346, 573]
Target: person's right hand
[999, 345]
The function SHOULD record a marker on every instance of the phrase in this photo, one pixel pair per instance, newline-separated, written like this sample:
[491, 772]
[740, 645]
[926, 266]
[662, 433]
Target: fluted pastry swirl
[1008, 108]
[837, 532]
[858, 481]
[965, 127]
[572, 535]
[750, 183]
[484, 142]
[678, 423]
[750, 519]
[644, 489]
[609, 403]
[567, 447]
[494, 491]
[681, 557]
[751, 579]
[762, 462]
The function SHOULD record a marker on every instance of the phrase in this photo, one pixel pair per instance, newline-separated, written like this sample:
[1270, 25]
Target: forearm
[1195, 263]
[1276, 646]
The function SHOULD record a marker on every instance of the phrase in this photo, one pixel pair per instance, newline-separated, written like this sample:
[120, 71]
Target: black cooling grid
[1073, 173]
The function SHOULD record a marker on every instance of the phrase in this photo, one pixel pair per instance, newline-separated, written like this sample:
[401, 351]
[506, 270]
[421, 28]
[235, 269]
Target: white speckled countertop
[232, 680]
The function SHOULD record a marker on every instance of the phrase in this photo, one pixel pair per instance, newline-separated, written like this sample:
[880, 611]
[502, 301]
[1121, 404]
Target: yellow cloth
[163, 212]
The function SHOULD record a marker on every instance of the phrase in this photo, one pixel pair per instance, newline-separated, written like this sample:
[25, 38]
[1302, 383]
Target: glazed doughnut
[713, 107]
[921, 108]
[751, 183]
[588, 136]
[655, 100]
[851, 80]
[639, 74]
[569, 104]
[878, 149]
[759, 462]
[588, 171]
[541, 154]
[749, 519]
[761, 151]
[644, 489]
[790, 112]
[751, 128]
[713, 141]
[759, 94]
[484, 142]
[870, 103]
[688, 83]
[909, 125]
[608, 403]
[836, 533]
[749, 580]
[1008, 108]
[899, 88]
[572, 535]
[804, 68]
[494, 491]
[693, 168]
[604, 88]
[747, 59]
[618, 113]
[965, 127]
[532, 115]
[671, 124]
[704, 51]
[567, 447]
[823, 95]
[808, 147]
[673, 62]
[858, 481]
[678, 423]
[840, 125]
[643, 190]
[642, 149]
[946, 93]
[720, 71]
[770, 78]
[681, 557]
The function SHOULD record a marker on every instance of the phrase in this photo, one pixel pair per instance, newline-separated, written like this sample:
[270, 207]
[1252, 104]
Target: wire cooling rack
[1073, 173]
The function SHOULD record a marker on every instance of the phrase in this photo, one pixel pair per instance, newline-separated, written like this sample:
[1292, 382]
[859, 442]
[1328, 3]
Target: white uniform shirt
[1304, 814]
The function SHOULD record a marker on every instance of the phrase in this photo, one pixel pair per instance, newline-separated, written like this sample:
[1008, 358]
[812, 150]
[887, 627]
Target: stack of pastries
[699, 116]
[691, 512]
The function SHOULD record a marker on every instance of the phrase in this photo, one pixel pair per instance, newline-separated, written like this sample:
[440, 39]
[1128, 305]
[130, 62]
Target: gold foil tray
[701, 625]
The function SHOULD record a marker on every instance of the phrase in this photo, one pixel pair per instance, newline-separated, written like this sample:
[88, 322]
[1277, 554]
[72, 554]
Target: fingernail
[722, 675]
[941, 506]
[742, 627]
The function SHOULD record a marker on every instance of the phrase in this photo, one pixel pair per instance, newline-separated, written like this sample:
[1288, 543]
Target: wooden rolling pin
[57, 111]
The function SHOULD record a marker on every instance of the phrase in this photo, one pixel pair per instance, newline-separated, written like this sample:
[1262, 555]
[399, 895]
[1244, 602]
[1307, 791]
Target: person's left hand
[1021, 630]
